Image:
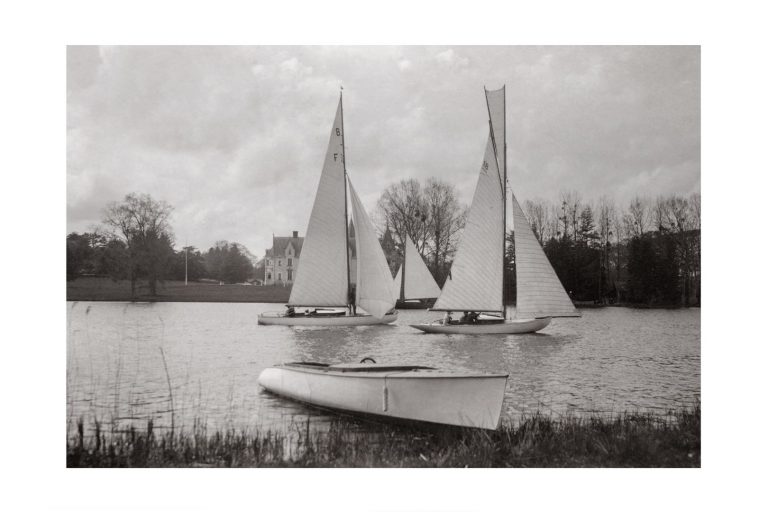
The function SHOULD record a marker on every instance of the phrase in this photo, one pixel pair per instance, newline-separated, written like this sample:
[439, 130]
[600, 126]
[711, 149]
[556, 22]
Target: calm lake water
[609, 361]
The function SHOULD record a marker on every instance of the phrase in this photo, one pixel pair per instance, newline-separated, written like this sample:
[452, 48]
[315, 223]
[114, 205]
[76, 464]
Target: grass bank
[629, 440]
[105, 289]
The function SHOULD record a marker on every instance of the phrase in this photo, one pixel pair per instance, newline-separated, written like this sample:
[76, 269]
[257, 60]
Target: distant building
[281, 261]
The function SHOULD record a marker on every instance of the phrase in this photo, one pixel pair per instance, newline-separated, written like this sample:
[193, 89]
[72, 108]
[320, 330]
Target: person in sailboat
[291, 312]
[447, 318]
[351, 301]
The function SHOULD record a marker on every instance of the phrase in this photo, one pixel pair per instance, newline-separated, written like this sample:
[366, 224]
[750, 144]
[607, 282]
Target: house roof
[280, 244]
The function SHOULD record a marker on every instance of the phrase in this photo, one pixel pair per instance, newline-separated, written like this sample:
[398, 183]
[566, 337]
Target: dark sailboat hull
[415, 303]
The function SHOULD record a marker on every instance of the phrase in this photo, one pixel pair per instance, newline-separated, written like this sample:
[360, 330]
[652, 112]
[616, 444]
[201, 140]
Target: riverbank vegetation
[645, 254]
[628, 440]
[106, 289]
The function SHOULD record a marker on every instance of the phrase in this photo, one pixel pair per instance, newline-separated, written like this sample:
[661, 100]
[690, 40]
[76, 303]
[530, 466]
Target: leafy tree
[80, 255]
[191, 258]
[141, 223]
[228, 262]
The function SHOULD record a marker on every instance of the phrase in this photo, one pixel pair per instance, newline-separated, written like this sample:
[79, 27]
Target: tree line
[135, 242]
[648, 252]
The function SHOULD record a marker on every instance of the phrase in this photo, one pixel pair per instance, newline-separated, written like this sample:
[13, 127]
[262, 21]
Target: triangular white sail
[477, 270]
[497, 113]
[397, 283]
[374, 291]
[321, 277]
[539, 291]
[419, 283]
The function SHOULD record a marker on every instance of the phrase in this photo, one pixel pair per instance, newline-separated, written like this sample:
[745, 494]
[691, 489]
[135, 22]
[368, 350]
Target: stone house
[281, 261]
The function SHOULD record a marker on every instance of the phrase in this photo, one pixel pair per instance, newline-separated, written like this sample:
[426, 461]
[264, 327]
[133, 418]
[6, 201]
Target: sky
[234, 137]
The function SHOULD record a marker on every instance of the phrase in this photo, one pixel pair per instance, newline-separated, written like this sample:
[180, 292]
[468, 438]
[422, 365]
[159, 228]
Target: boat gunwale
[390, 373]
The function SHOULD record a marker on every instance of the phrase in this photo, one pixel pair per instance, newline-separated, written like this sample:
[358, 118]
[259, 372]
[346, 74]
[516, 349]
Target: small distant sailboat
[477, 281]
[415, 288]
[322, 281]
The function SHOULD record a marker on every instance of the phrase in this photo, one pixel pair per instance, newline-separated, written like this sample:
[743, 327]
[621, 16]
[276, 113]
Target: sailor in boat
[351, 301]
[469, 317]
[291, 312]
[447, 318]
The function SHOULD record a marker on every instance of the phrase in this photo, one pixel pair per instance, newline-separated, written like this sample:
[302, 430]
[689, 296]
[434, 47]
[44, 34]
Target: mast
[504, 211]
[402, 278]
[344, 165]
[503, 180]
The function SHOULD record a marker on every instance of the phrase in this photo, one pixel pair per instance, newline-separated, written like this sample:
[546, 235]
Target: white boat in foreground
[415, 393]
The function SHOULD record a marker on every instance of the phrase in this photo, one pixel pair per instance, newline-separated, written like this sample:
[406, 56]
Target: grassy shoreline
[104, 289]
[628, 440]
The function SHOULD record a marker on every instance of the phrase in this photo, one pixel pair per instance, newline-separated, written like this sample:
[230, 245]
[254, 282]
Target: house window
[290, 275]
[290, 262]
[269, 275]
[279, 276]
[279, 263]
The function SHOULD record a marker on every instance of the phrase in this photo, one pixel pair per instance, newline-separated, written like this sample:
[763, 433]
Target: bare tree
[446, 219]
[537, 212]
[637, 219]
[606, 215]
[431, 216]
[571, 209]
[403, 207]
[142, 223]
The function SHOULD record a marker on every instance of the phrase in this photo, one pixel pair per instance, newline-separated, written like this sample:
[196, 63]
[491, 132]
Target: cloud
[234, 137]
[450, 58]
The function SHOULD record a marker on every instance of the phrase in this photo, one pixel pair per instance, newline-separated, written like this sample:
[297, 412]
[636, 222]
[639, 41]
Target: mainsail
[539, 291]
[321, 278]
[374, 291]
[419, 283]
[477, 270]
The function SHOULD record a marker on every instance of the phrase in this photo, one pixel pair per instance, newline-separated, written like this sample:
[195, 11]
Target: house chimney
[295, 234]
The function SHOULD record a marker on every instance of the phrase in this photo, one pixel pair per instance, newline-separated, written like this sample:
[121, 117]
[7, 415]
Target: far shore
[105, 289]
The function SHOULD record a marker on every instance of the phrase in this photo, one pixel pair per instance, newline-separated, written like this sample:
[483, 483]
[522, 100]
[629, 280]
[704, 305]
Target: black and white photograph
[371, 257]
[383, 257]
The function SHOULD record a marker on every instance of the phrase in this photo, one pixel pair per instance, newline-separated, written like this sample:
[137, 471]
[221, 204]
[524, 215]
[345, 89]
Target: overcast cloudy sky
[234, 137]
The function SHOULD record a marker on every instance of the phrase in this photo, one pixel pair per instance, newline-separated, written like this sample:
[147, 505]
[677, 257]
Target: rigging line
[346, 177]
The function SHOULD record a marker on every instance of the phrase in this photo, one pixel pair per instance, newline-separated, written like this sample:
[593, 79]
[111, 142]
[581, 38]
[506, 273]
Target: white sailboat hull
[325, 321]
[428, 395]
[516, 326]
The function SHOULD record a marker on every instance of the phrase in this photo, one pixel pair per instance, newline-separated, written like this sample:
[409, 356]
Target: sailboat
[322, 285]
[477, 282]
[415, 288]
